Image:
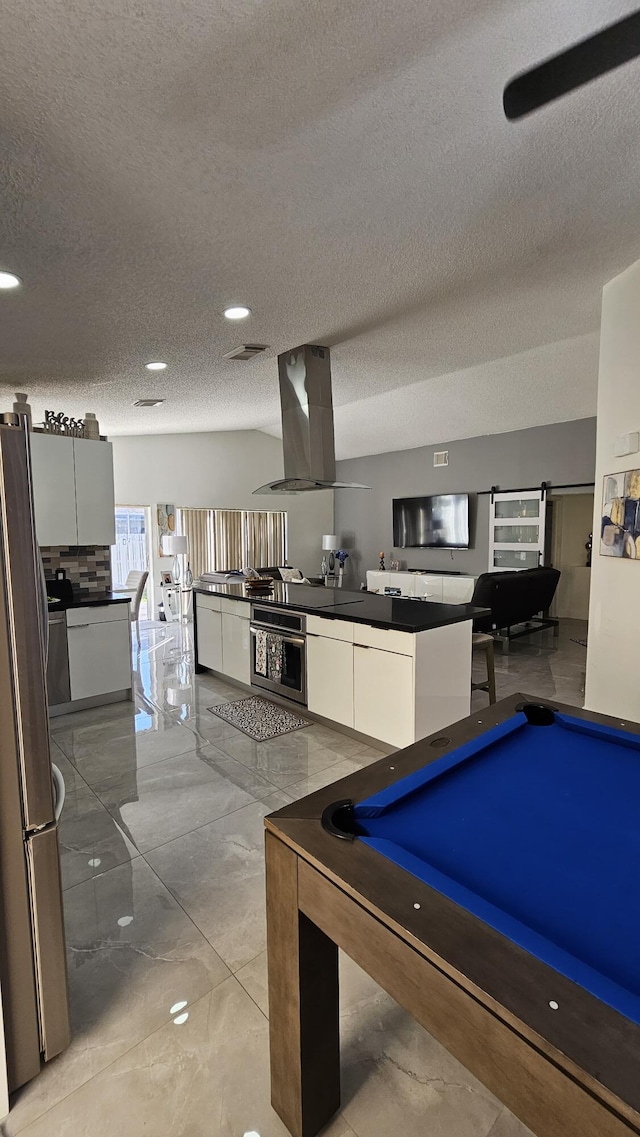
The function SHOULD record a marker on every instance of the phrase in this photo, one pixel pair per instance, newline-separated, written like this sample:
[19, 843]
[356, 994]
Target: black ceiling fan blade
[587, 60]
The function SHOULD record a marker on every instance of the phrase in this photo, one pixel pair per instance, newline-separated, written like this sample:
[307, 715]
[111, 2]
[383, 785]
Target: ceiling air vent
[246, 351]
[441, 458]
[148, 402]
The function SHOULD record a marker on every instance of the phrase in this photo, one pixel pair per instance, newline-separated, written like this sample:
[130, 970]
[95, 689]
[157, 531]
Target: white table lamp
[175, 546]
[329, 545]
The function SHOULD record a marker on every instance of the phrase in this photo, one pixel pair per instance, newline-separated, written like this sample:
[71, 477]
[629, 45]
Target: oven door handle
[278, 629]
[298, 640]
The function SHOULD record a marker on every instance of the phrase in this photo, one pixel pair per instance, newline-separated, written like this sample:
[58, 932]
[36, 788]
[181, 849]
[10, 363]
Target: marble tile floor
[553, 668]
[161, 846]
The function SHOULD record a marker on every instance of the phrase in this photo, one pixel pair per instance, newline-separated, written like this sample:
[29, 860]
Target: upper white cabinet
[72, 490]
[54, 489]
[95, 507]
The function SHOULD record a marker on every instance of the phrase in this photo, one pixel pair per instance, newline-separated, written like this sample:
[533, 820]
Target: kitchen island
[390, 669]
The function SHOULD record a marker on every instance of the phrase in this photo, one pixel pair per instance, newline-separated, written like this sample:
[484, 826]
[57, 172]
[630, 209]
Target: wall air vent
[148, 402]
[246, 351]
[441, 458]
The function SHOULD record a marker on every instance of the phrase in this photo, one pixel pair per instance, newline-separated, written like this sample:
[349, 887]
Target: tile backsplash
[88, 567]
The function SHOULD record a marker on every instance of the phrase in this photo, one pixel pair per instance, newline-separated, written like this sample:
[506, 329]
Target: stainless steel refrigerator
[33, 975]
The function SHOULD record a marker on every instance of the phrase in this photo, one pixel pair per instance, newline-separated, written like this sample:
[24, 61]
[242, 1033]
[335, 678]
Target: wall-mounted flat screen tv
[437, 522]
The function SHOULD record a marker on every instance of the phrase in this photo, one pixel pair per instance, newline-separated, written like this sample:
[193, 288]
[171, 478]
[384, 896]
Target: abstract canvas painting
[166, 524]
[620, 529]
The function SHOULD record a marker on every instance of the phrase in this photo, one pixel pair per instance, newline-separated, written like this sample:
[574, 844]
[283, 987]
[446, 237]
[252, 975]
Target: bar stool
[480, 641]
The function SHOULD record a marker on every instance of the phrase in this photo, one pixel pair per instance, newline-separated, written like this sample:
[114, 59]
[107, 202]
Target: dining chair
[135, 586]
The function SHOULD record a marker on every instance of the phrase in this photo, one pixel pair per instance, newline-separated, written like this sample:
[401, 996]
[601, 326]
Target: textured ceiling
[345, 169]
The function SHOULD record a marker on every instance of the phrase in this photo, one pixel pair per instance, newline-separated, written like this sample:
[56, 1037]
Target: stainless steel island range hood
[307, 424]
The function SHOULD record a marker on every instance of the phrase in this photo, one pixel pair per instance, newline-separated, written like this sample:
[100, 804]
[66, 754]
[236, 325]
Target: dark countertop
[401, 615]
[91, 600]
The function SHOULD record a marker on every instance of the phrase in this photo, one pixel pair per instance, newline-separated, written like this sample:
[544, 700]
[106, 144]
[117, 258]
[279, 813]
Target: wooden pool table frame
[572, 1072]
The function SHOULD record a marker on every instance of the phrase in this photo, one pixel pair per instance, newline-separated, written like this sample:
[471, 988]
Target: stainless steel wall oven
[279, 652]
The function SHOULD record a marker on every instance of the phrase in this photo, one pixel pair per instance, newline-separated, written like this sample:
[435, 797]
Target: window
[223, 539]
[131, 550]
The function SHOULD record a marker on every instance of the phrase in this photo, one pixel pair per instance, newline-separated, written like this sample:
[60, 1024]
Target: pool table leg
[303, 1003]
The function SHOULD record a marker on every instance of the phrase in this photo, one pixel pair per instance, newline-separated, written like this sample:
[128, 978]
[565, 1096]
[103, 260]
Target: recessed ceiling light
[237, 312]
[9, 280]
[156, 366]
[148, 402]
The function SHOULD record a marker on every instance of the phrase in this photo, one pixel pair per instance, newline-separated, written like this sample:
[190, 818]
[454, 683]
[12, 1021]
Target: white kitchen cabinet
[54, 489]
[95, 505]
[236, 647]
[436, 587]
[72, 490]
[387, 639]
[208, 600]
[332, 629]
[378, 580]
[330, 678]
[235, 608]
[209, 637]
[430, 587]
[99, 650]
[383, 695]
[458, 589]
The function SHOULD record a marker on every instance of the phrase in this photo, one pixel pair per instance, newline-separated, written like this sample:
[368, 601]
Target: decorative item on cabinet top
[21, 407]
[56, 422]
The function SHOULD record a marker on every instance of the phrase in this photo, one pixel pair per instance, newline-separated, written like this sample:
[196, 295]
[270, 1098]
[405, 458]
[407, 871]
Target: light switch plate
[626, 444]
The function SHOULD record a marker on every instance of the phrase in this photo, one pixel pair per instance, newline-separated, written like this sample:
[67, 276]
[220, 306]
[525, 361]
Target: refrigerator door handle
[49, 940]
[59, 790]
[24, 603]
[43, 598]
[44, 611]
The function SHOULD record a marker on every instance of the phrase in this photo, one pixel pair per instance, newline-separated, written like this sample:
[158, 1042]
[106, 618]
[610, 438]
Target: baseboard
[87, 704]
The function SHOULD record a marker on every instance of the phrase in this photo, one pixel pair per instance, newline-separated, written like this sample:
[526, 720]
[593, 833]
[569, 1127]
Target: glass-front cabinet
[516, 530]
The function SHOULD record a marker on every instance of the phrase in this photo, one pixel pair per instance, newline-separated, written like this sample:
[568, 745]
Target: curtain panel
[195, 525]
[224, 539]
[266, 532]
[229, 551]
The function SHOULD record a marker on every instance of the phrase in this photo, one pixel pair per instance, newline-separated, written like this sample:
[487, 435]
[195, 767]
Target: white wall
[559, 454]
[218, 469]
[613, 656]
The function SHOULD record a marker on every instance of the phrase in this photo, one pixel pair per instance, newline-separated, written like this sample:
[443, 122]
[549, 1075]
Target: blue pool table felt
[536, 831]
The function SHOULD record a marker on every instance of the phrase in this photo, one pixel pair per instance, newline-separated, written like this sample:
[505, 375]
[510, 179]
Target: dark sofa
[519, 602]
